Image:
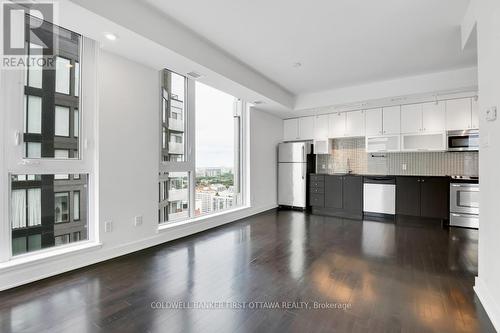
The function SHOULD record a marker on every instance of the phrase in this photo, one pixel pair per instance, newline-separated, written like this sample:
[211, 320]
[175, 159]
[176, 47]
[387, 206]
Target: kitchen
[412, 158]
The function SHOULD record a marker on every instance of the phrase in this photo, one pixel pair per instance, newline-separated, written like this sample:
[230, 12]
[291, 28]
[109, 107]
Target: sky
[214, 127]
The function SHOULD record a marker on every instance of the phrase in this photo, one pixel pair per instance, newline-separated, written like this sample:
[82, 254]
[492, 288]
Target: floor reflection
[396, 277]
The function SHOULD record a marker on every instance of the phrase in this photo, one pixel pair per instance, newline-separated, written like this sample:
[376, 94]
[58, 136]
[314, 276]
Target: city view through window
[215, 151]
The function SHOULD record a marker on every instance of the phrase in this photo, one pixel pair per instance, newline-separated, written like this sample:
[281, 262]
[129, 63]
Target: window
[51, 100]
[176, 167]
[217, 150]
[61, 210]
[63, 72]
[76, 206]
[62, 121]
[173, 109]
[207, 126]
[62, 239]
[33, 115]
[48, 200]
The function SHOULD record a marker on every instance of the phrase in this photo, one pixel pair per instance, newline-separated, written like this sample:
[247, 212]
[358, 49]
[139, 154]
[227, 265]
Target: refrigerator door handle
[303, 154]
[303, 170]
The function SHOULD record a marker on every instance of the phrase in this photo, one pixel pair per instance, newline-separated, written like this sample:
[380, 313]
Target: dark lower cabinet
[423, 197]
[408, 196]
[352, 193]
[435, 198]
[333, 191]
[343, 197]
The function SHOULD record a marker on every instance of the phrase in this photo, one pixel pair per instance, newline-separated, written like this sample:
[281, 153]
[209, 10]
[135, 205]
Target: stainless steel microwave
[467, 140]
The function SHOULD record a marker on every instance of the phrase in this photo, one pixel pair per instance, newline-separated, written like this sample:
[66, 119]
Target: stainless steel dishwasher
[379, 197]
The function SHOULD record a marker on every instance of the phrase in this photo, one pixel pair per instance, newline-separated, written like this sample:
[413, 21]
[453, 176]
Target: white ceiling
[338, 42]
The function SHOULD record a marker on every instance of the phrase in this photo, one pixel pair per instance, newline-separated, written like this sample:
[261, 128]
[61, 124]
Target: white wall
[460, 79]
[264, 157]
[128, 171]
[488, 282]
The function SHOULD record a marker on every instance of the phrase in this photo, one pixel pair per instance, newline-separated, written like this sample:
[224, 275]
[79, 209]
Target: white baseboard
[490, 305]
[34, 272]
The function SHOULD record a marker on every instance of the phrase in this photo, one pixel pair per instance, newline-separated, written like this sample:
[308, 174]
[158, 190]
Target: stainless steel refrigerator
[295, 162]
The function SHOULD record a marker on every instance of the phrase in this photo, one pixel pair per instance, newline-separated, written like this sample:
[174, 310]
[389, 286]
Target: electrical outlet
[138, 220]
[403, 166]
[323, 166]
[108, 226]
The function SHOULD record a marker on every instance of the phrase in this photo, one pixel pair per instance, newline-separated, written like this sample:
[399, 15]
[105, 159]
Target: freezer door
[292, 184]
[295, 152]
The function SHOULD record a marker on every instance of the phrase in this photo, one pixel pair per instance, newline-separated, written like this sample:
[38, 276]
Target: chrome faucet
[349, 169]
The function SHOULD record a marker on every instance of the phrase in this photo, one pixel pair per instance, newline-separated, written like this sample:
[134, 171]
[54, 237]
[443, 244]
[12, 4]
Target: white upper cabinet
[290, 129]
[306, 128]
[434, 117]
[373, 122]
[321, 127]
[459, 114]
[411, 118]
[336, 124]
[355, 124]
[391, 120]
[475, 113]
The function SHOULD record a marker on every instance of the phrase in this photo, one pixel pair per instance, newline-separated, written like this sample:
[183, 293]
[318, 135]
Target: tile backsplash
[350, 153]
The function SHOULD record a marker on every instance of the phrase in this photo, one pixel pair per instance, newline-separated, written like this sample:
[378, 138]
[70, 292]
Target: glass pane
[34, 242]
[34, 207]
[34, 150]
[33, 115]
[61, 210]
[18, 245]
[49, 87]
[173, 124]
[215, 150]
[76, 124]
[76, 206]
[62, 121]
[63, 70]
[174, 196]
[34, 196]
[34, 73]
[77, 78]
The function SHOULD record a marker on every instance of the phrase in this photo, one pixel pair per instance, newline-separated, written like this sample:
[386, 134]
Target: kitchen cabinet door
[408, 196]
[373, 122]
[411, 118]
[333, 192]
[321, 127]
[306, 128]
[475, 114]
[434, 197]
[434, 117]
[352, 193]
[355, 124]
[336, 124]
[290, 129]
[391, 120]
[458, 114]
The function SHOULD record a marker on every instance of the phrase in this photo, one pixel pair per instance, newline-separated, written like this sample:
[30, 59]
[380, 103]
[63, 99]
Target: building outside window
[217, 150]
[200, 160]
[48, 208]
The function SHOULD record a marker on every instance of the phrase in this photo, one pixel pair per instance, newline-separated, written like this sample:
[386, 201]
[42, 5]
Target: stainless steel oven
[464, 205]
[467, 140]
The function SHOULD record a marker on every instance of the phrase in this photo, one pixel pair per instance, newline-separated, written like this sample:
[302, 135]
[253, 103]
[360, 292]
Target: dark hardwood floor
[381, 277]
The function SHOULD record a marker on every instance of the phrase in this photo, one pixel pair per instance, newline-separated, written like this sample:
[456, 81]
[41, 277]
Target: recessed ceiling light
[297, 65]
[110, 36]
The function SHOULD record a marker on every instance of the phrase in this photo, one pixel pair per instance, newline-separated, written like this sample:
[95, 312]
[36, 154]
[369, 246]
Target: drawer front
[317, 178]
[317, 200]
[317, 184]
[317, 190]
